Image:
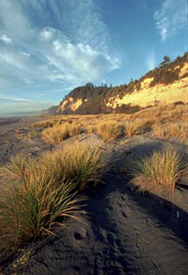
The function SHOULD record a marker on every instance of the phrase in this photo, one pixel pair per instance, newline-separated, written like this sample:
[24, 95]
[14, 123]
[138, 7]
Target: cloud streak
[6, 39]
[53, 43]
[171, 18]
[13, 99]
[11, 104]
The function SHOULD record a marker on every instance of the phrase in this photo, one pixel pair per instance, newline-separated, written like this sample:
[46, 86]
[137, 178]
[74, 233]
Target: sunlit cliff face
[159, 94]
[71, 104]
[144, 96]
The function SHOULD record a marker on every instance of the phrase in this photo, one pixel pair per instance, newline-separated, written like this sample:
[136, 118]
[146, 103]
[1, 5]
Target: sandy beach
[125, 232]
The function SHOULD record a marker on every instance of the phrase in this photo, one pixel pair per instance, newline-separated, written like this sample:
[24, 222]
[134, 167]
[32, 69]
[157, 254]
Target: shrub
[162, 168]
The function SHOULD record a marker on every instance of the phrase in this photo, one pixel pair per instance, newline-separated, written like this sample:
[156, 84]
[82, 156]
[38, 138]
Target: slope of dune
[125, 232]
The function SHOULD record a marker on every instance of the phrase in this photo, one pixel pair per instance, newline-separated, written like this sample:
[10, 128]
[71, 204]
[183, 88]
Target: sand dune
[126, 232]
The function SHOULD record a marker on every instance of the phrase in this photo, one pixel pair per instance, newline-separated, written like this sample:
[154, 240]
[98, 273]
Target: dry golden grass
[109, 126]
[137, 126]
[107, 130]
[161, 168]
[38, 193]
[168, 113]
[83, 163]
[31, 204]
[171, 131]
[43, 124]
[58, 133]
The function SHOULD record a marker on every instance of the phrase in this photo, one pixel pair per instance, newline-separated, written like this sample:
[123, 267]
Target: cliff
[166, 84]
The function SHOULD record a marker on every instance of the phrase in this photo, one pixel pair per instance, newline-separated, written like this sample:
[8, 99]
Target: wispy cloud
[6, 39]
[11, 104]
[53, 43]
[171, 17]
[14, 99]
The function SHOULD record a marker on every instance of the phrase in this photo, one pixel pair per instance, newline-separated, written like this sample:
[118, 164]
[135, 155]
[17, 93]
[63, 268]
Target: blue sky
[48, 47]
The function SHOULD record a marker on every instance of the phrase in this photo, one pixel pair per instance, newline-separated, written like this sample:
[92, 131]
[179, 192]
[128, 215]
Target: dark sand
[126, 232]
[11, 144]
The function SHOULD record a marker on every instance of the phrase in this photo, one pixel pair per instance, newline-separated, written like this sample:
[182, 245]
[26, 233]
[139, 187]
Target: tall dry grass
[163, 113]
[31, 206]
[171, 131]
[107, 130]
[58, 133]
[137, 126]
[161, 168]
[84, 163]
[38, 193]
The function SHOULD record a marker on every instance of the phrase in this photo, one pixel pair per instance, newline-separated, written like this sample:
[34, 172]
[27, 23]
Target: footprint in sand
[78, 236]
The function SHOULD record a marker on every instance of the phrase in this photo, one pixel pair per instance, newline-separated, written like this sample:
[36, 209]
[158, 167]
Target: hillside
[165, 84]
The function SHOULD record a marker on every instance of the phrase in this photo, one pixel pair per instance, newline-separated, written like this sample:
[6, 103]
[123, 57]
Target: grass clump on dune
[43, 124]
[30, 210]
[31, 203]
[37, 194]
[171, 131]
[108, 130]
[137, 126]
[58, 133]
[83, 163]
[160, 169]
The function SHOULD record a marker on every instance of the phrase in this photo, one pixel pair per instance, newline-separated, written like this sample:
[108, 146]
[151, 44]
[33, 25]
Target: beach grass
[108, 130]
[161, 168]
[38, 193]
[171, 131]
[57, 133]
[137, 126]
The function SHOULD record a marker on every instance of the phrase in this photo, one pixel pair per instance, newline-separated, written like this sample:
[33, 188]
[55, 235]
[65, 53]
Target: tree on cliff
[166, 61]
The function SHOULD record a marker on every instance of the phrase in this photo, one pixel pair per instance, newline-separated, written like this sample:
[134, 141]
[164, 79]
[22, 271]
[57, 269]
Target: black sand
[126, 232]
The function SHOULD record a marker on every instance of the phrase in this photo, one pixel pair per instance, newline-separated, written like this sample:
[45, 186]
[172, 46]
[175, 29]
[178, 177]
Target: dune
[125, 232]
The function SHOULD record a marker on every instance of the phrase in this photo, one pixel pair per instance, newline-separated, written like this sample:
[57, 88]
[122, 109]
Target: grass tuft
[137, 126]
[171, 131]
[57, 133]
[38, 193]
[108, 130]
[30, 209]
[161, 168]
[83, 163]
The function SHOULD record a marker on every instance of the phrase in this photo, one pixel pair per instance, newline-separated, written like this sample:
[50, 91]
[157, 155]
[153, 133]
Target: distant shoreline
[12, 115]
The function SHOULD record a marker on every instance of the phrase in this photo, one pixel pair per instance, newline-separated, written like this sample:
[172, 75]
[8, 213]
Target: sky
[49, 47]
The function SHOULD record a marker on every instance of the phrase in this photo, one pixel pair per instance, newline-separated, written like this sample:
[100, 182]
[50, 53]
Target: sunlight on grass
[137, 126]
[171, 131]
[161, 168]
[83, 163]
[108, 130]
[58, 133]
[30, 208]
[37, 193]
